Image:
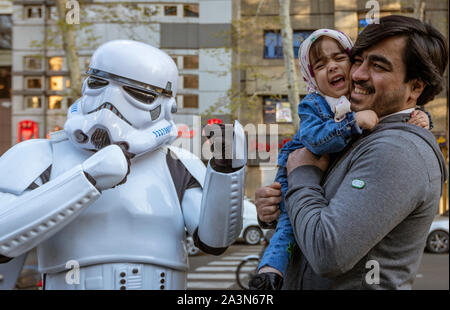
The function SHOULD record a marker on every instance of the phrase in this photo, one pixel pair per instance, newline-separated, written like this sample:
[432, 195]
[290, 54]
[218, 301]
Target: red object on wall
[214, 121]
[27, 130]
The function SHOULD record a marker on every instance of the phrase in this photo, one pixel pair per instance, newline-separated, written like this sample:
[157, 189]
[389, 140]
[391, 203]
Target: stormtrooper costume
[107, 201]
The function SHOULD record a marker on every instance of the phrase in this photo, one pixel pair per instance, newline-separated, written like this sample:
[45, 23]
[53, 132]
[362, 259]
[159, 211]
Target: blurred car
[250, 233]
[437, 241]
[191, 248]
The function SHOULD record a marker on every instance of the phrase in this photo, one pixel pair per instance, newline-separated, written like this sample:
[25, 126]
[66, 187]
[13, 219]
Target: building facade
[228, 52]
[5, 75]
[262, 77]
[195, 33]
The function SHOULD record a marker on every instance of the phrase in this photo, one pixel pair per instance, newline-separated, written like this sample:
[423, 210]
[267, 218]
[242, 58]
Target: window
[190, 10]
[55, 102]
[190, 81]
[175, 60]
[32, 63]
[273, 47]
[5, 82]
[298, 37]
[33, 102]
[190, 62]
[56, 83]
[5, 31]
[33, 12]
[55, 63]
[33, 83]
[277, 110]
[170, 10]
[190, 101]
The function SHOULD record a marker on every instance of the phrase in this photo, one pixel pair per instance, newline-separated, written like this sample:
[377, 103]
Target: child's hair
[313, 44]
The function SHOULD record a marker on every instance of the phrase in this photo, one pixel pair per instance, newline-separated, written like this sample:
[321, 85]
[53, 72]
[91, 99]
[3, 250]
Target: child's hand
[420, 118]
[366, 119]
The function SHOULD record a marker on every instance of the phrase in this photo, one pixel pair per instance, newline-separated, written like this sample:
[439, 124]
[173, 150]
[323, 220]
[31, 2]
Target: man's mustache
[364, 86]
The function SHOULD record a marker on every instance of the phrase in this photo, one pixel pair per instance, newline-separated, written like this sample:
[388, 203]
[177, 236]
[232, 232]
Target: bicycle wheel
[245, 271]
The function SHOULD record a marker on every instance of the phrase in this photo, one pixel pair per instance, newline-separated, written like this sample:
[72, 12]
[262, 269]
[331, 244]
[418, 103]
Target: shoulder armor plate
[192, 163]
[24, 163]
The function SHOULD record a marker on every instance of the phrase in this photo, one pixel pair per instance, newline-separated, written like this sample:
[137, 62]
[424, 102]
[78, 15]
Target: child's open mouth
[338, 81]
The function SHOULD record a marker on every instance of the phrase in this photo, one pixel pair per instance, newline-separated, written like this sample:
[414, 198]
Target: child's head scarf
[305, 66]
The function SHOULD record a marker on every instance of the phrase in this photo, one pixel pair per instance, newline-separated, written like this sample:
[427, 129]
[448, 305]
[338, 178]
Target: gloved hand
[266, 281]
[221, 146]
[107, 168]
[228, 146]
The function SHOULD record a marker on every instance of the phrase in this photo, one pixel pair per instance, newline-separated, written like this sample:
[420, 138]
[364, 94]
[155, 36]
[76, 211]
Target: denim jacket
[320, 134]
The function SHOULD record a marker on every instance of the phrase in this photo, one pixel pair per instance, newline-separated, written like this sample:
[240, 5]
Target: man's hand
[267, 201]
[303, 157]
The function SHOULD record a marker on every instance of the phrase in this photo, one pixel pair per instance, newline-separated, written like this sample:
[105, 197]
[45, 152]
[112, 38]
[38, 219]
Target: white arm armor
[215, 211]
[221, 209]
[30, 217]
[223, 195]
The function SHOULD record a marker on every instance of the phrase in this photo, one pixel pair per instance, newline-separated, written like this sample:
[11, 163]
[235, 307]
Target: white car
[437, 241]
[251, 232]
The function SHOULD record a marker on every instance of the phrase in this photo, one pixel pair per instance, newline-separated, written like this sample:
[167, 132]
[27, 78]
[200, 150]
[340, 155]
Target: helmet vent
[100, 138]
[154, 114]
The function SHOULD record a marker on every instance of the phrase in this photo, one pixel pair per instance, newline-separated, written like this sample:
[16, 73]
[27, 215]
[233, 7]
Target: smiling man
[362, 222]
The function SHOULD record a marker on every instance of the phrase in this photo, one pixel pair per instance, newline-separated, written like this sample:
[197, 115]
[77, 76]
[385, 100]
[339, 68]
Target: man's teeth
[361, 91]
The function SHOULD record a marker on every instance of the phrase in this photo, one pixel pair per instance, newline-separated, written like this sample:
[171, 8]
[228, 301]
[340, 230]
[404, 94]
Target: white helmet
[128, 99]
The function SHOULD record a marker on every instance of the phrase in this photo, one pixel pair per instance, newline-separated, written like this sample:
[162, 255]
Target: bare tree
[419, 9]
[289, 60]
[70, 48]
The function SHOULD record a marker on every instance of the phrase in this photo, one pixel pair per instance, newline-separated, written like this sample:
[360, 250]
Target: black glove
[222, 156]
[128, 156]
[266, 281]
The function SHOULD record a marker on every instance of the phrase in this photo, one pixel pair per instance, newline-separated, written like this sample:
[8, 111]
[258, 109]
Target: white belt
[117, 277]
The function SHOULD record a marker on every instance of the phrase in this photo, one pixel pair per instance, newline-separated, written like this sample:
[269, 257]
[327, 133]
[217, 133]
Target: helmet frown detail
[128, 98]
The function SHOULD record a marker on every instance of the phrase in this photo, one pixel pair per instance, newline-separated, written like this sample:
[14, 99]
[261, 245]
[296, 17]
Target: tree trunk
[289, 60]
[419, 9]
[70, 49]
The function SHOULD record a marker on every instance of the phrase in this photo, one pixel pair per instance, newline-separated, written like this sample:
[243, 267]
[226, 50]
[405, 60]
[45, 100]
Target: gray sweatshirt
[364, 224]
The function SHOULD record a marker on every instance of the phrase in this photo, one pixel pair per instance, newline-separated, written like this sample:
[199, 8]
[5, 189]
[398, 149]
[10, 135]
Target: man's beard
[383, 103]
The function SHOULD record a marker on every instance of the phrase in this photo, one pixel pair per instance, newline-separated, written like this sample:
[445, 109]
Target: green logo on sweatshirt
[290, 249]
[358, 183]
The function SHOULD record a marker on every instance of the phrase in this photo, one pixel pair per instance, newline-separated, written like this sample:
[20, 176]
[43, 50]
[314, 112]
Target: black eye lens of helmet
[95, 83]
[140, 95]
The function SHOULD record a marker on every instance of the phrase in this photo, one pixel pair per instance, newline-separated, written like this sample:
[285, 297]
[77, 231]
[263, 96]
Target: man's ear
[417, 87]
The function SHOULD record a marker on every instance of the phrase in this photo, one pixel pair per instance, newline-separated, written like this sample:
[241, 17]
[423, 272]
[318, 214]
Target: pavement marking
[225, 268]
[220, 273]
[209, 285]
[211, 276]
[233, 258]
[224, 263]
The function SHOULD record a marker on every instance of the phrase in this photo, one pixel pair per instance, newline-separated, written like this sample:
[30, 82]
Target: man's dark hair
[425, 54]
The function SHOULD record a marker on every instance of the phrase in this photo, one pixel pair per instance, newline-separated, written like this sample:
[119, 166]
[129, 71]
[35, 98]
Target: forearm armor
[221, 209]
[29, 219]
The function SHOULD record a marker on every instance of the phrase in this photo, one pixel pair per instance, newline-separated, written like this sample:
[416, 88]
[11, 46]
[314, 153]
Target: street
[218, 272]
[208, 272]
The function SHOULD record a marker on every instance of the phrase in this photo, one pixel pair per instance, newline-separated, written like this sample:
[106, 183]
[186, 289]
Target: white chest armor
[140, 221]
